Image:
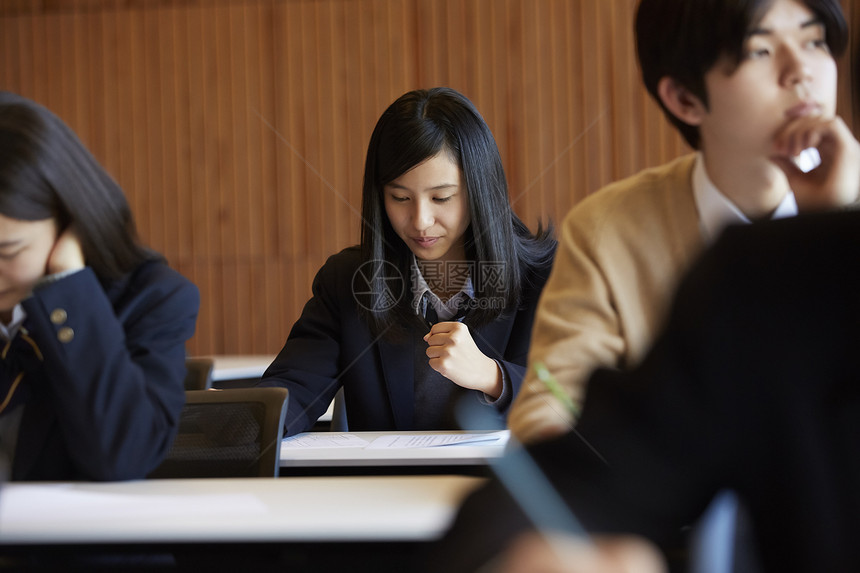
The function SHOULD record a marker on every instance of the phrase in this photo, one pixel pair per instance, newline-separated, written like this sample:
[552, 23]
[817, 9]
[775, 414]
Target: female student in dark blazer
[439, 298]
[92, 325]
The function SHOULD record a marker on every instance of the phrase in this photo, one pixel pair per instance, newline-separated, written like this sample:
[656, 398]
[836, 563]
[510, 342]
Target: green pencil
[555, 388]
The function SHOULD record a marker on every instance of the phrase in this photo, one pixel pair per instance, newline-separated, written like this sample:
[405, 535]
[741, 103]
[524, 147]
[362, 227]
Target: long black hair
[46, 172]
[417, 126]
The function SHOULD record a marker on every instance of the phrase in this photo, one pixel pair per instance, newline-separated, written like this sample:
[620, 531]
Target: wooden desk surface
[231, 368]
[239, 367]
[318, 509]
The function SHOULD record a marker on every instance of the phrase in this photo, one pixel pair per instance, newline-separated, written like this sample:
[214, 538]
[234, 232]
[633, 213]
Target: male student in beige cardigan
[752, 87]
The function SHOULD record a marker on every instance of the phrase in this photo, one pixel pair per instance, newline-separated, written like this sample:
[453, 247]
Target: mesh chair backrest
[227, 433]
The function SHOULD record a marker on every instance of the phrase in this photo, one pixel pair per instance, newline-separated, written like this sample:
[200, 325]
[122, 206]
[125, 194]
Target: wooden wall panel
[238, 128]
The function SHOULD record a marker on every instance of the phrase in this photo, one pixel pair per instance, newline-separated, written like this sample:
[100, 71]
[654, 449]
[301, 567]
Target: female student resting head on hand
[92, 325]
[438, 300]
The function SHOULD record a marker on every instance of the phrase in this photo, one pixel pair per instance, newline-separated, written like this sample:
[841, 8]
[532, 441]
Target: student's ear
[681, 102]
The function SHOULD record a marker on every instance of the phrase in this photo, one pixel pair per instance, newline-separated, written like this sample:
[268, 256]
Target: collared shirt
[716, 211]
[422, 295]
[8, 331]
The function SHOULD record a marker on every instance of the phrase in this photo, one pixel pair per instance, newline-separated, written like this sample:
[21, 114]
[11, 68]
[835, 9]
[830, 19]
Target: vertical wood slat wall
[238, 128]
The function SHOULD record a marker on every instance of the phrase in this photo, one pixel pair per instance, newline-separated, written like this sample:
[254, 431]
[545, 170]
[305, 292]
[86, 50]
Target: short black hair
[47, 173]
[419, 125]
[684, 39]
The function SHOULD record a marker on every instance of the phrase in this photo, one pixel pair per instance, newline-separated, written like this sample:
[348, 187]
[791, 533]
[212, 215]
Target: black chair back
[228, 433]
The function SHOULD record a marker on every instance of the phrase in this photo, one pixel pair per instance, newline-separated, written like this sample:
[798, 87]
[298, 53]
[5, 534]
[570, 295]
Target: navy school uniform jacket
[332, 346]
[104, 401]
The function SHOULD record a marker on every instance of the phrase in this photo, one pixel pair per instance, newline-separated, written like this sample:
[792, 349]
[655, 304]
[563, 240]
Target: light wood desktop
[233, 367]
[319, 509]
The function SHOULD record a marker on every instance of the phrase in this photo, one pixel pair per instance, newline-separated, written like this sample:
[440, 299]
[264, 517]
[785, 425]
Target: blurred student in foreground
[752, 387]
[92, 325]
[751, 85]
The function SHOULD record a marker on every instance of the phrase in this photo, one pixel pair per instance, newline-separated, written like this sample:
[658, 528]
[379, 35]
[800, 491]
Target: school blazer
[331, 346]
[105, 401]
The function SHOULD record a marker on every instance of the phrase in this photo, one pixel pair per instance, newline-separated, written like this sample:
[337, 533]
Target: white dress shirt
[716, 211]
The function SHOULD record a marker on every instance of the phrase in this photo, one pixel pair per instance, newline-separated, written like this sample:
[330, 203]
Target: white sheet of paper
[324, 440]
[808, 159]
[396, 441]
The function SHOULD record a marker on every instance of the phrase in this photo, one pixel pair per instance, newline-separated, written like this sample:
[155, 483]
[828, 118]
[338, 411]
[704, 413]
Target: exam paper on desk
[395, 441]
[324, 440]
